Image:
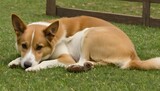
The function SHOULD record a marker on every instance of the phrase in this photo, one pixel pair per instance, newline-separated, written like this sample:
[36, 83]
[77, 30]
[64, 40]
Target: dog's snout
[27, 64]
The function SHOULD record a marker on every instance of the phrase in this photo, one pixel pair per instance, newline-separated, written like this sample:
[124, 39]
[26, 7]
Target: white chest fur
[75, 43]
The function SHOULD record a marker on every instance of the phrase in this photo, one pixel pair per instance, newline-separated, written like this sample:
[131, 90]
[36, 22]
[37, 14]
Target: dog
[77, 43]
[41, 43]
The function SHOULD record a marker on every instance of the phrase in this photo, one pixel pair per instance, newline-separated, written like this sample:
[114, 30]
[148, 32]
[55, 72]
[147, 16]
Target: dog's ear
[51, 30]
[18, 25]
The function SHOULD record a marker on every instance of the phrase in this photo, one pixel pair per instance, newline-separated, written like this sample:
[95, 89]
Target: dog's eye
[39, 47]
[24, 46]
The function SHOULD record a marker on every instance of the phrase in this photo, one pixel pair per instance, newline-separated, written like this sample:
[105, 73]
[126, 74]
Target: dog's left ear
[51, 30]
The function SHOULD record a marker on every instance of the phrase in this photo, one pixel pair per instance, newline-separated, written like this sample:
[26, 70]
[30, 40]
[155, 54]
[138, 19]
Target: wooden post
[51, 7]
[146, 12]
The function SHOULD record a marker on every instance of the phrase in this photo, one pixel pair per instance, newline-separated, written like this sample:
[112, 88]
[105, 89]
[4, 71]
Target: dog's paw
[75, 68]
[33, 69]
[79, 68]
[13, 64]
[88, 66]
[37, 67]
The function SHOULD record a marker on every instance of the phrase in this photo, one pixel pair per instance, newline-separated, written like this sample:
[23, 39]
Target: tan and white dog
[43, 41]
[77, 43]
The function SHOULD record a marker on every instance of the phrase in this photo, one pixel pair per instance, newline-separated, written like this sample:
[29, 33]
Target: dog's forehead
[38, 38]
[35, 27]
[33, 33]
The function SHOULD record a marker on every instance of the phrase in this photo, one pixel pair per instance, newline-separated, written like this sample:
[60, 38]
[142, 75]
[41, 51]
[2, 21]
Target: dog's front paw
[33, 69]
[15, 63]
[43, 65]
[12, 65]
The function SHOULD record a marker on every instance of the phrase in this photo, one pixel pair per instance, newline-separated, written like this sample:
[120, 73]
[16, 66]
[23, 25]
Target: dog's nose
[27, 64]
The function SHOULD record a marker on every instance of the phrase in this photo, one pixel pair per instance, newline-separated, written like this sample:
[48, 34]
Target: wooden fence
[145, 19]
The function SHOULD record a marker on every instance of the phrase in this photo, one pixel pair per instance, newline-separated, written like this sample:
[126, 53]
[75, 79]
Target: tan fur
[75, 24]
[109, 45]
[72, 25]
[67, 59]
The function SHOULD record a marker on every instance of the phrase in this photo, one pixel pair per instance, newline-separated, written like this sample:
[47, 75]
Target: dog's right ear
[18, 25]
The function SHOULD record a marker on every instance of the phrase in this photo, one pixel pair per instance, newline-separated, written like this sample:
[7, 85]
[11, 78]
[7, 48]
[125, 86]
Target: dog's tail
[153, 63]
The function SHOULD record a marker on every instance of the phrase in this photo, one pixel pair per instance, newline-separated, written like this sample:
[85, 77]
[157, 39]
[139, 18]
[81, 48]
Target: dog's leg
[82, 65]
[15, 63]
[62, 61]
[45, 65]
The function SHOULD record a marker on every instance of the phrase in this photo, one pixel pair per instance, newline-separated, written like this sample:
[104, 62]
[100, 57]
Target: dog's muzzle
[27, 64]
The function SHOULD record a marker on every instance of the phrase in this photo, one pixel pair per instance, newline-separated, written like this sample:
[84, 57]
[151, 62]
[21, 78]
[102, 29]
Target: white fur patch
[75, 42]
[32, 37]
[29, 57]
[80, 62]
[16, 62]
[45, 65]
[40, 23]
[155, 62]
[60, 49]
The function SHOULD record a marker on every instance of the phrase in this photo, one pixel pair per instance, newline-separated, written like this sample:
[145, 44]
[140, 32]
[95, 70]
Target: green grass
[102, 78]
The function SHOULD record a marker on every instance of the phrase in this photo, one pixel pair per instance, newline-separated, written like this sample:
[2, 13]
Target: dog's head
[35, 41]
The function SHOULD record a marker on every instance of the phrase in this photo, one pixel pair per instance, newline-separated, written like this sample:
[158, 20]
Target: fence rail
[151, 1]
[145, 19]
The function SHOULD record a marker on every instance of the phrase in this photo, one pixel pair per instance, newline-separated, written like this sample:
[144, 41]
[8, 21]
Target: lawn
[102, 78]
